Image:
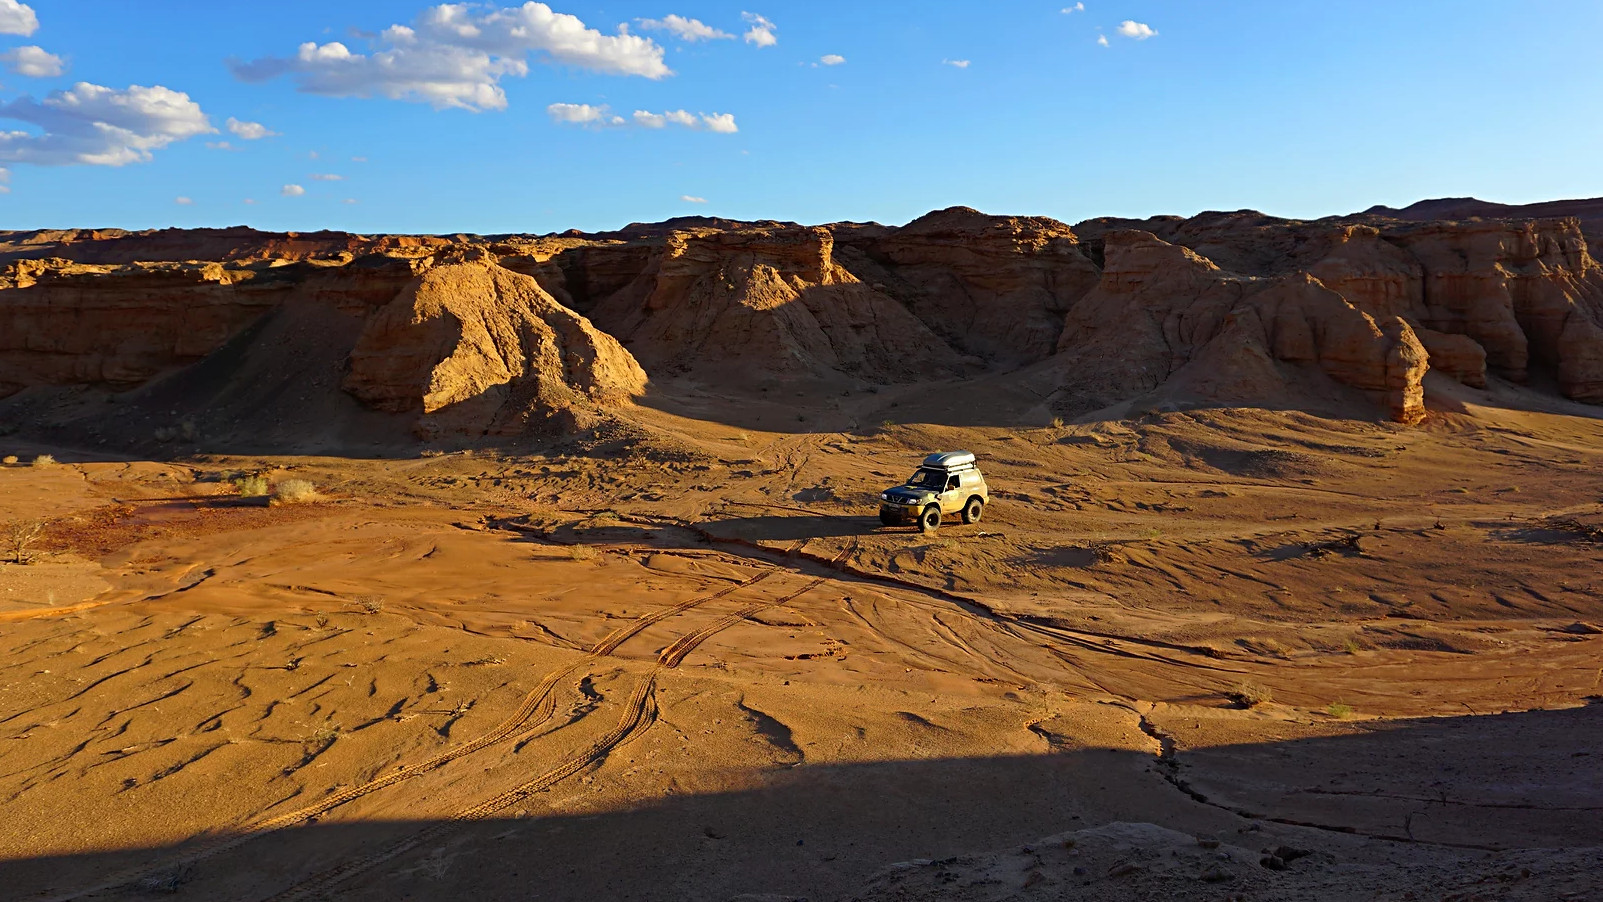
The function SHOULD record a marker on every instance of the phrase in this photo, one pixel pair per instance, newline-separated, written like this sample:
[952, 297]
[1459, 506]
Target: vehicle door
[952, 497]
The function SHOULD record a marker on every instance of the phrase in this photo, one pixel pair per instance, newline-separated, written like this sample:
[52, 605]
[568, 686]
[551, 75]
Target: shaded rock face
[994, 287]
[500, 336]
[477, 349]
[736, 306]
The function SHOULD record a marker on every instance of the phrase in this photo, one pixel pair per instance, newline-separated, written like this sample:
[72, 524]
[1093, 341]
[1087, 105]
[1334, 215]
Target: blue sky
[501, 117]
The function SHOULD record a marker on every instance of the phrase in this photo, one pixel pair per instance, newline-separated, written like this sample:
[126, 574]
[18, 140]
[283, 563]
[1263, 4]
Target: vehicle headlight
[884, 497]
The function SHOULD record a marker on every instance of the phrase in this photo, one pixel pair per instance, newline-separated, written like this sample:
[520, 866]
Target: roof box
[950, 460]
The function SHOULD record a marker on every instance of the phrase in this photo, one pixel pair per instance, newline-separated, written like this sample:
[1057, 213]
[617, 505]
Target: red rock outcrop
[474, 336]
[476, 349]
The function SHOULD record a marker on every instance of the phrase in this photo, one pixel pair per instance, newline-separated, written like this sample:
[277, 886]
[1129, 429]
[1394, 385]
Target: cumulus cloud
[99, 126]
[250, 131]
[327, 177]
[184, 201]
[692, 199]
[17, 18]
[455, 55]
[762, 31]
[582, 114]
[292, 191]
[1076, 8]
[603, 117]
[33, 62]
[688, 30]
[1132, 29]
[832, 59]
[1102, 40]
[961, 64]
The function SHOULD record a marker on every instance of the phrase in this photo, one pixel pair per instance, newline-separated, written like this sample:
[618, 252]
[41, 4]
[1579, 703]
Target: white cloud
[183, 202]
[99, 126]
[1076, 8]
[1102, 40]
[719, 123]
[832, 59]
[219, 145]
[349, 200]
[250, 200]
[603, 117]
[1132, 29]
[692, 199]
[33, 62]
[689, 30]
[292, 191]
[5, 176]
[961, 64]
[762, 32]
[327, 177]
[358, 159]
[250, 131]
[582, 114]
[455, 55]
[17, 18]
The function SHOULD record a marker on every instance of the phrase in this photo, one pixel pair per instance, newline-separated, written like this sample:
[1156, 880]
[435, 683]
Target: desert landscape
[547, 567]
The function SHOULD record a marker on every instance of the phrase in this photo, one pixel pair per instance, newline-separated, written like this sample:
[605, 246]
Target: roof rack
[950, 460]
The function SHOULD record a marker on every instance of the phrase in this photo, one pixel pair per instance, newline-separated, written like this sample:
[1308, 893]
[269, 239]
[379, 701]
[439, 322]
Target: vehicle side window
[952, 483]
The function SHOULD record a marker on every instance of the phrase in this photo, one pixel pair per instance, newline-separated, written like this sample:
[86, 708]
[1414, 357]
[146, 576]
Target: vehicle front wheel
[930, 520]
[972, 511]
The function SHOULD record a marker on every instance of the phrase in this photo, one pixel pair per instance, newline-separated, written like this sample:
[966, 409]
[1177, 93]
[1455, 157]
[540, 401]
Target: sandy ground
[701, 670]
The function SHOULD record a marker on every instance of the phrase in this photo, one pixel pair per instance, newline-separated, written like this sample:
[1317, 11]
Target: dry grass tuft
[9, 460]
[44, 460]
[20, 538]
[295, 491]
[1250, 695]
[1339, 710]
[251, 486]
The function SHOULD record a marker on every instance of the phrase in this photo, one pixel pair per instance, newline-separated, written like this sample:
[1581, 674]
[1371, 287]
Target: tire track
[533, 713]
[639, 714]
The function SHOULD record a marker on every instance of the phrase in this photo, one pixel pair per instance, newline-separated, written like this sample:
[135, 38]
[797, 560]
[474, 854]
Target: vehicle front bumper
[906, 513]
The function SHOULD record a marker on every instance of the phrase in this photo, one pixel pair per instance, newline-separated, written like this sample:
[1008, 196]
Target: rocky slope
[472, 336]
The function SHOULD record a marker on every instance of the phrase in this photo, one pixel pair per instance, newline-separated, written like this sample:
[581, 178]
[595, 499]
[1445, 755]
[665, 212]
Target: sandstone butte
[336, 335]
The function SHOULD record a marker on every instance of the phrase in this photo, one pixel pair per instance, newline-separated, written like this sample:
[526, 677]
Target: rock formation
[472, 336]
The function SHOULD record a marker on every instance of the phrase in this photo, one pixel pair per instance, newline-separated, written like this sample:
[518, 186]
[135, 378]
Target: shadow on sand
[1447, 785]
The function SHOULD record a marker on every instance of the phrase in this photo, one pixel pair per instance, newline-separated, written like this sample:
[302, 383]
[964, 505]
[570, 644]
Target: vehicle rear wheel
[930, 520]
[972, 510]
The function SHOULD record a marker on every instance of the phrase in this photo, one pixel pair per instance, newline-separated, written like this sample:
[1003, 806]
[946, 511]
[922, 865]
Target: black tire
[887, 519]
[930, 519]
[972, 510]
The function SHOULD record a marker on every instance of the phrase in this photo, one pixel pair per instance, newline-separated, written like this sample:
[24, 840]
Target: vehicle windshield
[926, 478]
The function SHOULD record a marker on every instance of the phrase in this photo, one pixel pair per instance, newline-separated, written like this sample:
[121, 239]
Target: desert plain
[1289, 586]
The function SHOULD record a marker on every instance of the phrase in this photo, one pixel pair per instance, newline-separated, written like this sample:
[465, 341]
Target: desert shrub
[9, 460]
[1351, 646]
[44, 460]
[250, 486]
[1339, 710]
[1250, 695]
[20, 538]
[582, 553]
[295, 491]
[1057, 422]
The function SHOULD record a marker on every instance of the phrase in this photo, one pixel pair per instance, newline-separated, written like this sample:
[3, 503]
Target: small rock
[1207, 842]
[1582, 629]
[1123, 868]
[1273, 862]
[1215, 875]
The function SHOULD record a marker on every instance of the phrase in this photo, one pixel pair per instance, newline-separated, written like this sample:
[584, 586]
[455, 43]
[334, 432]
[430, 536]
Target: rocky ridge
[479, 336]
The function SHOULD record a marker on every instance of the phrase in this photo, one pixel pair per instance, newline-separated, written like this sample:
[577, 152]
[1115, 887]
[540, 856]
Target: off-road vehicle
[947, 483]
